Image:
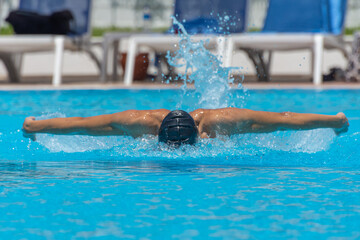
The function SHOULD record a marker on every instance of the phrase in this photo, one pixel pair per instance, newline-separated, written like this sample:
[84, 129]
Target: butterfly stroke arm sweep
[230, 121]
[226, 121]
[132, 122]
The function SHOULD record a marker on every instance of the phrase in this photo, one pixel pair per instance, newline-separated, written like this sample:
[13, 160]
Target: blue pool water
[288, 185]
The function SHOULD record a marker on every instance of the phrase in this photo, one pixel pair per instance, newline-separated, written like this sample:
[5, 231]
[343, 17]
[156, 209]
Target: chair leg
[115, 74]
[229, 48]
[13, 72]
[318, 59]
[18, 59]
[59, 54]
[130, 63]
[161, 60]
[256, 57]
[221, 49]
[268, 64]
[93, 56]
[104, 62]
[171, 69]
[312, 62]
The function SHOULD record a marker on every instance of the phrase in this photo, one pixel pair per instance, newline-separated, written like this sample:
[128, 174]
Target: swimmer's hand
[27, 128]
[343, 124]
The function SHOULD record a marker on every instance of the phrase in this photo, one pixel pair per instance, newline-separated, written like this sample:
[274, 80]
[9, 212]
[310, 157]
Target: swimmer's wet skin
[180, 127]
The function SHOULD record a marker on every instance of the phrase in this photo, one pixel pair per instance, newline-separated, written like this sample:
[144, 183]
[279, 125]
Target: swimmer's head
[177, 128]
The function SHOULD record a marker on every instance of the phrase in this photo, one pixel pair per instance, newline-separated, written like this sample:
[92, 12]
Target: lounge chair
[12, 47]
[293, 25]
[205, 19]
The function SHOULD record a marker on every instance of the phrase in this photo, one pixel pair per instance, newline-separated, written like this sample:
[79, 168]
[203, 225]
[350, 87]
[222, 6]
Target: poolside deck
[92, 82]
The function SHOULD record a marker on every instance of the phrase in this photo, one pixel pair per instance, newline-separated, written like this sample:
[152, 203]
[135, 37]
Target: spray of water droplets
[204, 69]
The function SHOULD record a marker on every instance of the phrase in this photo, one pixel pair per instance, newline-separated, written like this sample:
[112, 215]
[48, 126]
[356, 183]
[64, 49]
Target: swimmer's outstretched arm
[270, 121]
[230, 121]
[132, 122]
[98, 125]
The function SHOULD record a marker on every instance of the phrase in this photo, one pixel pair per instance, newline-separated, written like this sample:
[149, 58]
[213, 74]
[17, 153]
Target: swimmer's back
[139, 122]
[223, 121]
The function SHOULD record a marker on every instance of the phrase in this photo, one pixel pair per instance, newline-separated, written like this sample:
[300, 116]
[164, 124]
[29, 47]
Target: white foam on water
[311, 141]
[74, 143]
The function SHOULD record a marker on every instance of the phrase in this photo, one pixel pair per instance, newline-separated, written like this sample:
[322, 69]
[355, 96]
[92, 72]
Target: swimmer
[179, 127]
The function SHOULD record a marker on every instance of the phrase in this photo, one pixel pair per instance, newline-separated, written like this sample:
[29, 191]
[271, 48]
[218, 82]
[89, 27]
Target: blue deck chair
[320, 16]
[200, 18]
[212, 16]
[79, 9]
[79, 39]
[293, 24]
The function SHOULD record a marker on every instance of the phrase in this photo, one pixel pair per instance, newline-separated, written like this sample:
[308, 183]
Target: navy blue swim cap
[177, 128]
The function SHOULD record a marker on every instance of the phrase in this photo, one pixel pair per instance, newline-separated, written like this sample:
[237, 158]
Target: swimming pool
[265, 186]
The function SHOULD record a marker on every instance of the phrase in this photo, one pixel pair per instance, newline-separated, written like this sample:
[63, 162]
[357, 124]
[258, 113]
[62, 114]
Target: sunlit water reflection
[150, 200]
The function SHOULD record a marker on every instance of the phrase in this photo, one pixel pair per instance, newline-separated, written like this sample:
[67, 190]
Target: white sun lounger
[13, 47]
[293, 25]
[203, 19]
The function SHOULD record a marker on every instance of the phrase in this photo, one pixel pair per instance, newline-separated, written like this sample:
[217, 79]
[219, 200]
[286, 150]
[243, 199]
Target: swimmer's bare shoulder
[139, 116]
[223, 121]
[139, 122]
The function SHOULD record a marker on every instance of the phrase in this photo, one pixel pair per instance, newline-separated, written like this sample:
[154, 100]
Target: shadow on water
[12, 171]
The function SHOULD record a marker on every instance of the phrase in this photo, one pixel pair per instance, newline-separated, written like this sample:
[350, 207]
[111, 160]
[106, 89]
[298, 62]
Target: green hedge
[351, 31]
[98, 31]
[6, 30]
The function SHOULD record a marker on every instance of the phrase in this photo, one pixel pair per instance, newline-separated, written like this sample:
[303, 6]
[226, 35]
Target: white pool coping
[155, 86]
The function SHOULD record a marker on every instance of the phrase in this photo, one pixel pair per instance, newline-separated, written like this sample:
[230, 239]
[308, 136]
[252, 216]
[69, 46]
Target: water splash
[204, 69]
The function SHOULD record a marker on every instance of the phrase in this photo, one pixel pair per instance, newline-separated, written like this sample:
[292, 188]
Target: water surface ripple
[283, 185]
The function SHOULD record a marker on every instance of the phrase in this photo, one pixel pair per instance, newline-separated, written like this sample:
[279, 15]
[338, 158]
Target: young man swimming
[179, 127]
